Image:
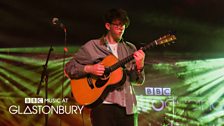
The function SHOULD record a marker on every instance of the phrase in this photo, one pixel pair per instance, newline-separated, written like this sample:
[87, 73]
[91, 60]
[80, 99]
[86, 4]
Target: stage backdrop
[179, 90]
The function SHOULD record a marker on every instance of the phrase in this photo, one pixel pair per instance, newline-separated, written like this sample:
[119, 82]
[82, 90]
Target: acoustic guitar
[92, 90]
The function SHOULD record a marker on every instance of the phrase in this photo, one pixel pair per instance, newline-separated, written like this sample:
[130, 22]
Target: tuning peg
[142, 44]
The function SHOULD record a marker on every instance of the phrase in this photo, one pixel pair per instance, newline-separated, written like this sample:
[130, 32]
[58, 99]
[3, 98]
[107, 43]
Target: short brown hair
[117, 14]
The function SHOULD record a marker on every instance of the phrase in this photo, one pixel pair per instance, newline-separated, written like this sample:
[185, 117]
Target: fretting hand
[139, 58]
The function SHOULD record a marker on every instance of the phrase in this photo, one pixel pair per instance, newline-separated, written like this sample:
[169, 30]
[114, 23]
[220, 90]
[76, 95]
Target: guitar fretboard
[162, 40]
[129, 58]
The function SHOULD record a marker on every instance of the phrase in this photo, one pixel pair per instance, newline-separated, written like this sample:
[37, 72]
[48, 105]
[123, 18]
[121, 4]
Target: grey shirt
[97, 49]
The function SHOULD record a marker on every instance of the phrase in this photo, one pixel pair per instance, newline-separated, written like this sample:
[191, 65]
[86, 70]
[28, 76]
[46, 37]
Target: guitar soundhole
[100, 82]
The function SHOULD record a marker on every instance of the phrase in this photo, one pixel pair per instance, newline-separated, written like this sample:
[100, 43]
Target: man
[119, 106]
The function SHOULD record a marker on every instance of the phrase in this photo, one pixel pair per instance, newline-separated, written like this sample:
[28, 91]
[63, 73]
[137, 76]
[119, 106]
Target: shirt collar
[103, 40]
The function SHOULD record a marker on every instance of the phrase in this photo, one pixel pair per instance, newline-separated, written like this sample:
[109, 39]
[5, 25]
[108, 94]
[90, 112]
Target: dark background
[198, 24]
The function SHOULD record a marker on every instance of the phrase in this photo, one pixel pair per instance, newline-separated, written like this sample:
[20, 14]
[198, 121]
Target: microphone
[56, 21]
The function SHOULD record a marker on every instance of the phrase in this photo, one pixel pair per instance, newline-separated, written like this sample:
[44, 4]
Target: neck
[111, 40]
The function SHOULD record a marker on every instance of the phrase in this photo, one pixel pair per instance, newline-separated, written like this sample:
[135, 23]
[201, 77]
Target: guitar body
[92, 90]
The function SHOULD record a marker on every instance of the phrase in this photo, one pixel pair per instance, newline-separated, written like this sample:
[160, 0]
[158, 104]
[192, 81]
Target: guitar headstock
[162, 40]
[165, 39]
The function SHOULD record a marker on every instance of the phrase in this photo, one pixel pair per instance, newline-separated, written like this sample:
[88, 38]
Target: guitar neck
[162, 40]
[121, 62]
[128, 59]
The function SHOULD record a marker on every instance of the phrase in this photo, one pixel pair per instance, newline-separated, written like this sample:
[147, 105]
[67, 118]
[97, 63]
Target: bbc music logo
[42, 100]
[159, 91]
[34, 100]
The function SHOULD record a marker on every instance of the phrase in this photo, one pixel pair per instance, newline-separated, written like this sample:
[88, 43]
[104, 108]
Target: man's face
[117, 29]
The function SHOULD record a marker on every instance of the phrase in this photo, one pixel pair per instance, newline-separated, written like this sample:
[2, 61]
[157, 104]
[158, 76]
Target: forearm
[74, 70]
[140, 77]
[137, 78]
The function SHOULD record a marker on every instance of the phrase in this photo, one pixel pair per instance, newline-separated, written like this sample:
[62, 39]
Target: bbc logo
[157, 91]
[34, 100]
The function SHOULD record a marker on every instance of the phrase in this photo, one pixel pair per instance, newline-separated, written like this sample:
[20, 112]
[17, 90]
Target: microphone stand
[64, 54]
[65, 50]
[44, 77]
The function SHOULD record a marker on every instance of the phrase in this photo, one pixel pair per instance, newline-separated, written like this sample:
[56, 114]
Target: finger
[136, 58]
[137, 55]
[140, 51]
[100, 73]
[102, 68]
[101, 65]
[141, 54]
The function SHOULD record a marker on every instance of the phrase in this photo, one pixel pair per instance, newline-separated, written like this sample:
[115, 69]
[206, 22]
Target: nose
[122, 27]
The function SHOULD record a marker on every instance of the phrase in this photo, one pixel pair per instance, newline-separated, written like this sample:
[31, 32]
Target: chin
[118, 39]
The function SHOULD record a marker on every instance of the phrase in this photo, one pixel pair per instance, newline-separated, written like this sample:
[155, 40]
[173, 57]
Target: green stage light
[22, 59]
[213, 117]
[56, 49]
[20, 71]
[12, 88]
[197, 93]
[66, 87]
[24, 84]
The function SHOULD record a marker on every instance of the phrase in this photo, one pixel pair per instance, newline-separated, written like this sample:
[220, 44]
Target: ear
[107, 26]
